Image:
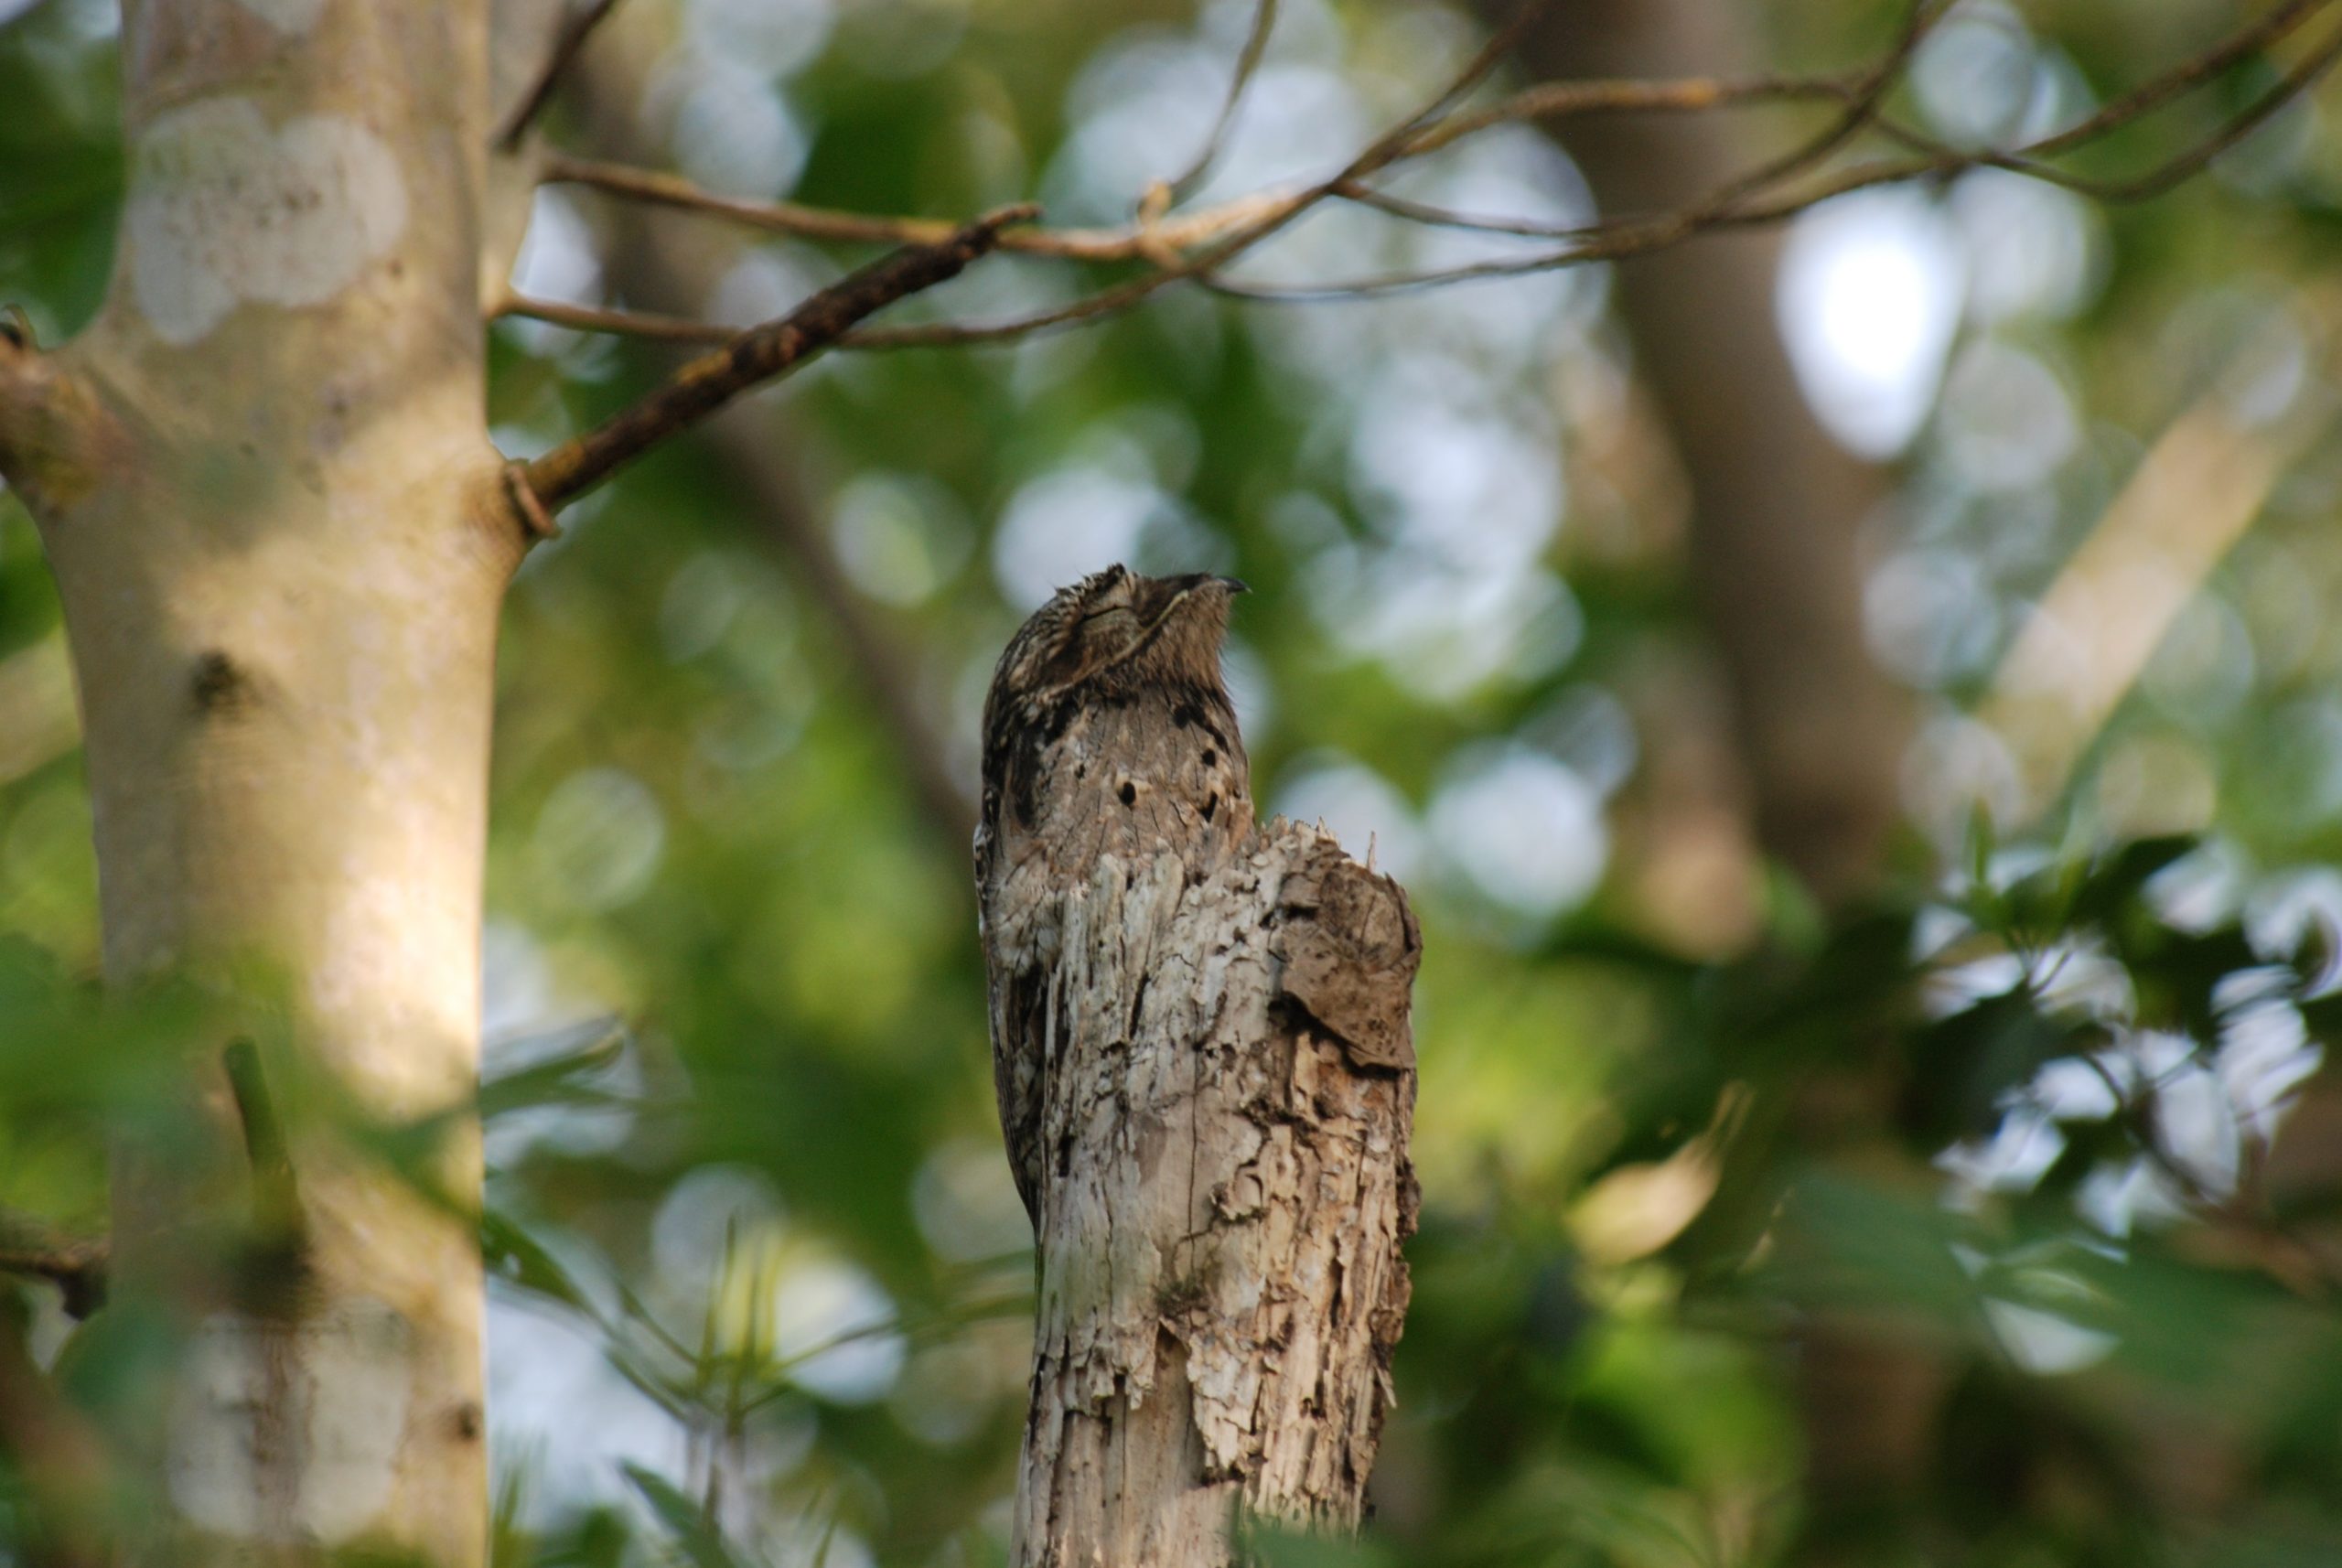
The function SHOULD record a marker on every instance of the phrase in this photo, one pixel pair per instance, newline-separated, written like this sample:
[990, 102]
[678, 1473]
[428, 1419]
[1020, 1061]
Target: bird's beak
[1195, 580]
[1189, 587]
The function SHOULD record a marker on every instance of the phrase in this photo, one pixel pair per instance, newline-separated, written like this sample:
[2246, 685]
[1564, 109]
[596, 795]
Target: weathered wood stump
[1228, 1115]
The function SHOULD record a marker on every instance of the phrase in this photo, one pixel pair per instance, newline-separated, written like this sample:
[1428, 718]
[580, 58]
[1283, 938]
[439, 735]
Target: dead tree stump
[1227, 1115]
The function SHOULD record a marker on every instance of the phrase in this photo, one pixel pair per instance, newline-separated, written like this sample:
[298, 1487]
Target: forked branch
[750, 358]
[1196, 245]
[576, 29]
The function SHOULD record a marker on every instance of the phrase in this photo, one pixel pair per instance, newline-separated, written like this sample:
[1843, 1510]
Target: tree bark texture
[265, 489]
[1221, 1282]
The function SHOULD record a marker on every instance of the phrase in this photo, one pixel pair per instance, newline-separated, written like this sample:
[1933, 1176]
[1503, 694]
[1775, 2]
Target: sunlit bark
[263, 483]
[1221, 1286]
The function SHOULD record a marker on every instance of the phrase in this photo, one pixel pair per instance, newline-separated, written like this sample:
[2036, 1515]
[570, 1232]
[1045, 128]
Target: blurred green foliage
[760, 1277]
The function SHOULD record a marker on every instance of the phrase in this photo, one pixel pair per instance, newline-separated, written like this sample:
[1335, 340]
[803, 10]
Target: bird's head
[1123, 629]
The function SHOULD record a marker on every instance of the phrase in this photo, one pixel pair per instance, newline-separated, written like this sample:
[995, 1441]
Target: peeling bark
[1221, 1283]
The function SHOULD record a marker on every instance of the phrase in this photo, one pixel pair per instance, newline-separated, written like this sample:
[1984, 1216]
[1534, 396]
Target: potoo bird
[1108, 731]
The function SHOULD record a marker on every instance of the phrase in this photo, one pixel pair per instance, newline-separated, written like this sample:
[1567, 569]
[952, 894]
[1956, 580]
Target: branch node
[534, 518]
[758, 355]
[54, 429]
[1000, 217]
[1153, 242]
[574, 31]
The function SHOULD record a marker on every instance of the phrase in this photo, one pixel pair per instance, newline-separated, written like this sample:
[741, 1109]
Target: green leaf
[512, 1252]
[686, 1523]
[560, 1077]
[2114, 884]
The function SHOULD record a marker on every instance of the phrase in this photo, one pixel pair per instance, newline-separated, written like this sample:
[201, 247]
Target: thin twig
[1248, 60]
[1570, 100]
[1432, 216]
[1378, 155]
[2184, 79]
[960, 333]
[1861, 107]
[1620, 238]
[1194, 246]
[1862, 97]
[1478, 69]
[1128, 244]
[1243, 220]
[2031, 161]
[574, 34]
[619, 323]
[758, 355]
[1177, 232]
[2186, 165]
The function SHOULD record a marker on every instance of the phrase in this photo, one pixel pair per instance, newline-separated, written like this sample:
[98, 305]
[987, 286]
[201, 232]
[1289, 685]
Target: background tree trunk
[1221, 1285]
[1774, 560]
[1776, 504]
[265, 489]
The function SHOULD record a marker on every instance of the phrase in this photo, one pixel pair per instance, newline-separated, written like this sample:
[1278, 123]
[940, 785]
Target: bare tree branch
[650, 267]
[2031, 161]
[574, 34]
[1181, 232]
[1569, 99]
[2185, 78]
[1193, 246]
[619, 323]
[758, 355]
[1861, 107]
[1134, 242]
[1733, 207]
[1385, 150]
[1435, 217]
[2186, 165]
[1256, 45]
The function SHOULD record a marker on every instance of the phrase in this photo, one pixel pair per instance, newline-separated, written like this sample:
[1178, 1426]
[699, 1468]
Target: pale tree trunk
[1221, 1283]
[281, 536]
[265, 489]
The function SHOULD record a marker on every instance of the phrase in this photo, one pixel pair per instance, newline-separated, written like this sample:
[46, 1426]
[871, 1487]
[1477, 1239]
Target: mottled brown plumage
[1108, 731]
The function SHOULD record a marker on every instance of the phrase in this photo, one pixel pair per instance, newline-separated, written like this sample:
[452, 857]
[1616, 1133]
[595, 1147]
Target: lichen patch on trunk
[291, 1430]
[225, 210]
